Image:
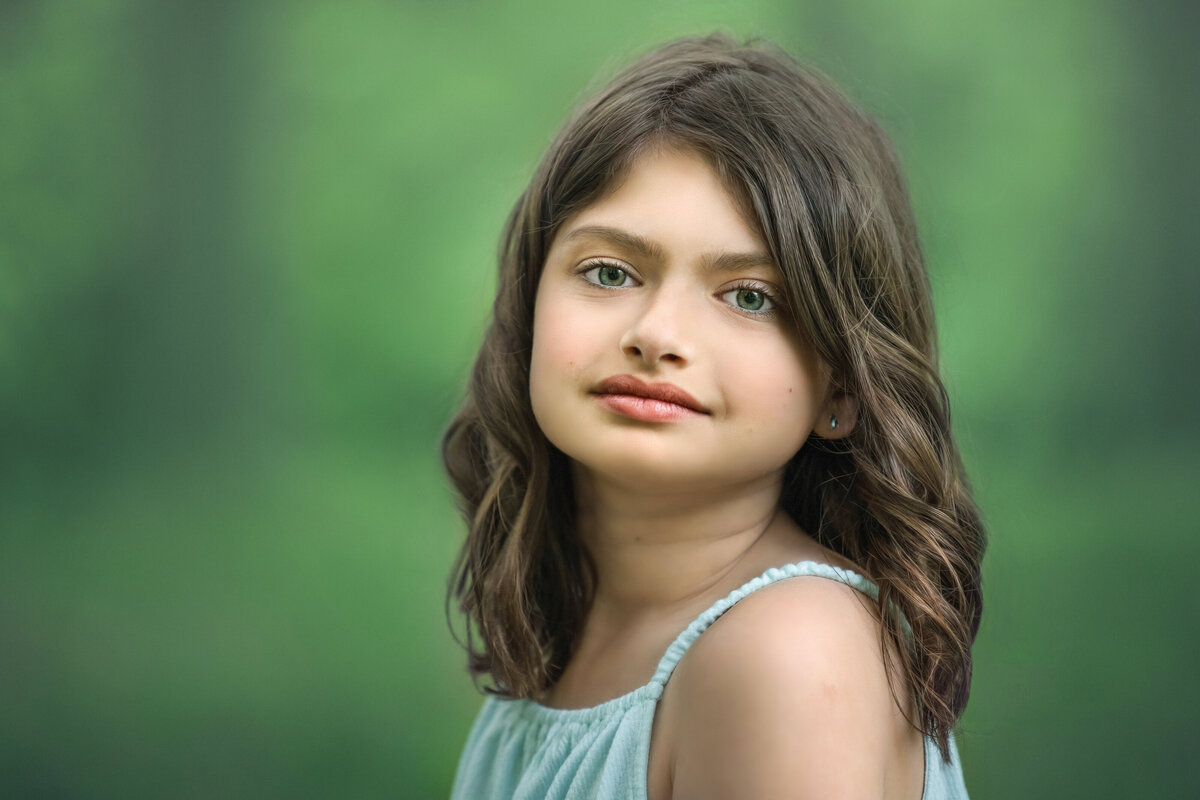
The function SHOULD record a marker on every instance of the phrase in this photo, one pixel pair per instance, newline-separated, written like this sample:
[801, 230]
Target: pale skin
[786, 695]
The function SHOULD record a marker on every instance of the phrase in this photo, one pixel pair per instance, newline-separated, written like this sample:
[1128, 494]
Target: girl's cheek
[773, 381]
[556, 344]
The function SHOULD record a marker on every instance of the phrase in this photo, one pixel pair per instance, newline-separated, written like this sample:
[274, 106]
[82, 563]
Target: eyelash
[751, 286]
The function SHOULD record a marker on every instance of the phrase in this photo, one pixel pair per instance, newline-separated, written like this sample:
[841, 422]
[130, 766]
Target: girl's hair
[820, 180]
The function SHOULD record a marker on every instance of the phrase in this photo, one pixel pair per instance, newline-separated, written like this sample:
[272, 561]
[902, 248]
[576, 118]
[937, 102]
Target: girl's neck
[658, 553]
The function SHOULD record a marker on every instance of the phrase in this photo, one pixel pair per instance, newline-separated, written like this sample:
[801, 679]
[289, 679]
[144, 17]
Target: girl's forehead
[667, 199]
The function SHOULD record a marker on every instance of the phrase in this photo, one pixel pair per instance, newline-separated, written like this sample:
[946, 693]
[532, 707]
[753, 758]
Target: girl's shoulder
[804, 621]
[787, 693]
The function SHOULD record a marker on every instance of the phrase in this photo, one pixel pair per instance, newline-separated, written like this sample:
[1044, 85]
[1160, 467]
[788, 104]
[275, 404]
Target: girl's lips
[646, 409]
[636, 387]
[650, 402]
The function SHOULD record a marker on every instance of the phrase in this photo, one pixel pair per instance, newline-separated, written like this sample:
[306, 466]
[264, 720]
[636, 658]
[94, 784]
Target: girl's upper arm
[786, 696]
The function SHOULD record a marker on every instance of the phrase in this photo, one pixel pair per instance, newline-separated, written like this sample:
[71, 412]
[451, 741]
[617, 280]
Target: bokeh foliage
[246, 253]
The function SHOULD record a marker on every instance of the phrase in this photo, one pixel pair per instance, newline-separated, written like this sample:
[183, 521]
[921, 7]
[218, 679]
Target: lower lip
[644, 408]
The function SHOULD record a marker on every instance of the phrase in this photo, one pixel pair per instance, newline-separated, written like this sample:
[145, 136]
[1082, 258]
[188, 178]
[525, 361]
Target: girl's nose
[660, 333]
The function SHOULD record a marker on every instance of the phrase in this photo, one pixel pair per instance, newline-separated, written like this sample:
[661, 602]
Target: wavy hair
[822, 183]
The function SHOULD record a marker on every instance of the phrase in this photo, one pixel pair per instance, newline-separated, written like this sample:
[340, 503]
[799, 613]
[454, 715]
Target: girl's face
[661, 356]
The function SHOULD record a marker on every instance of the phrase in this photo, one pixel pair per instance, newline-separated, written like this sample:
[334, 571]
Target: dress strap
[801, 568]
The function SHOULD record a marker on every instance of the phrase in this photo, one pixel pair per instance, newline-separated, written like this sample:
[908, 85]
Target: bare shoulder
[787, 695]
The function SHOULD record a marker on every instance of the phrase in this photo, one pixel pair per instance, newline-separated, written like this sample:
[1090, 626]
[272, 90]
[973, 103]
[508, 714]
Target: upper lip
[628, 384]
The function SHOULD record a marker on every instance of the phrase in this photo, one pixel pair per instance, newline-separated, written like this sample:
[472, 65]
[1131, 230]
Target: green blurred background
[246, 254]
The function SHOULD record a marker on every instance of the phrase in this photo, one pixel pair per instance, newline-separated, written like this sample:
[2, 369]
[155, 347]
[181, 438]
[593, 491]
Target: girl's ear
[838, 417]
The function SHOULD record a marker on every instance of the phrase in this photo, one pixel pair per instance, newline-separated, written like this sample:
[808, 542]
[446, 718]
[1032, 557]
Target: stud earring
[833, 422]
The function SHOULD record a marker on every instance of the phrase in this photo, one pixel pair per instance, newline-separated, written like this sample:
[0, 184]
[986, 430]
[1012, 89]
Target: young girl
[721, 543]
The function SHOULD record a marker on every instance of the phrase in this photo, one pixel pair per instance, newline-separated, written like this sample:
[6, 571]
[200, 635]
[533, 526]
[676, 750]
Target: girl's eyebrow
[624, 239]
[717, 262]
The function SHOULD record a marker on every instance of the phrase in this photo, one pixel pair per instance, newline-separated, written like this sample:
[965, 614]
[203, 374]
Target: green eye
[608, 275]
[751, 300]
[611, 276]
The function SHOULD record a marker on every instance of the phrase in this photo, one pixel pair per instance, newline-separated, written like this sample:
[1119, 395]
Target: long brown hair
[824, 186]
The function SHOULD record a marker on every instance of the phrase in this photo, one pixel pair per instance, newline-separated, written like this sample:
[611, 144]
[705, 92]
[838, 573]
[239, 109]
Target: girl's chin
[668, 475]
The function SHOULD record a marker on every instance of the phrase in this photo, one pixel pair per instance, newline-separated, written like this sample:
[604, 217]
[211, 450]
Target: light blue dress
[523, 750]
